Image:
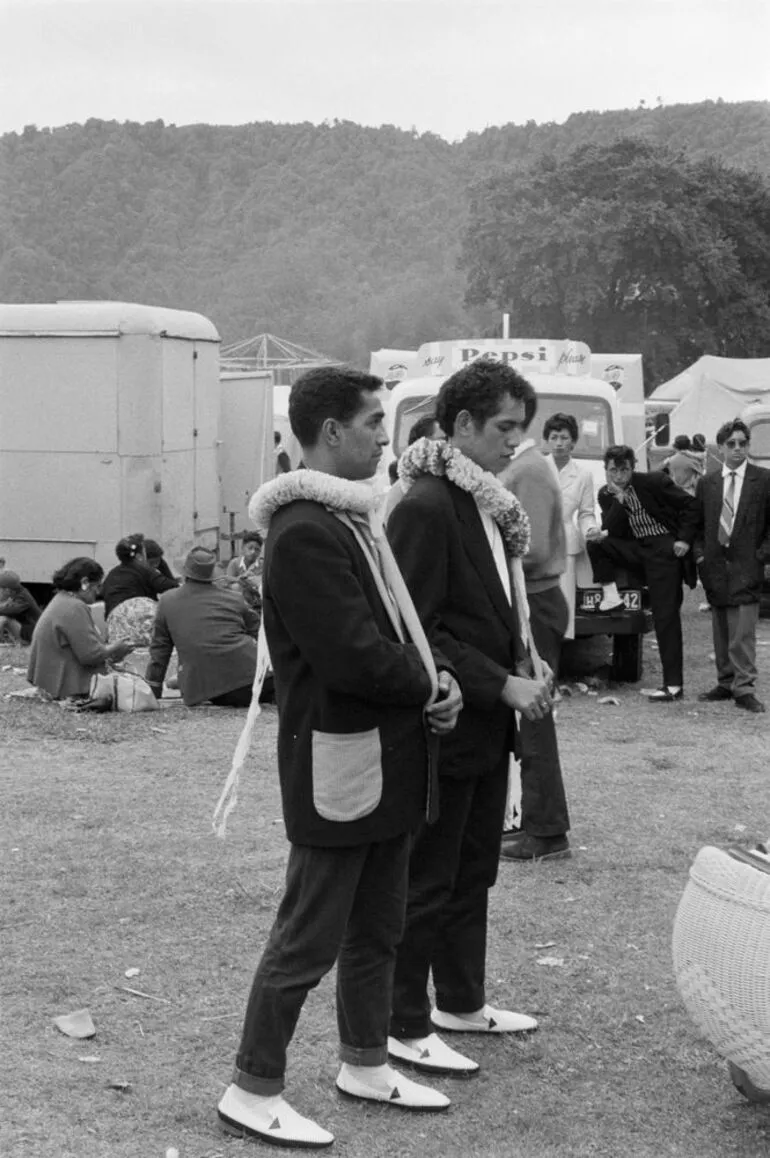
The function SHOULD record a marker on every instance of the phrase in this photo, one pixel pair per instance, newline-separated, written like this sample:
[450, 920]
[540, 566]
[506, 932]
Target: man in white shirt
[732, 546]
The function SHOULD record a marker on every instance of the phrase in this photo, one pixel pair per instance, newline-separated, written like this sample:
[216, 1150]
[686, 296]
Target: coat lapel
[750, 481]
[713, 509]
[480, 553]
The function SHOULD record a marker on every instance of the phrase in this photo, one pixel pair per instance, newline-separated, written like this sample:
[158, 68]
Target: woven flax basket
[722, 957]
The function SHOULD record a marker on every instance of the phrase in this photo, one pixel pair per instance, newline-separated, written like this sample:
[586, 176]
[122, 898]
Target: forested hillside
[339, 237]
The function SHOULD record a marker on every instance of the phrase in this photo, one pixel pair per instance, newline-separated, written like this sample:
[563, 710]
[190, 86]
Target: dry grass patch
[109, 864]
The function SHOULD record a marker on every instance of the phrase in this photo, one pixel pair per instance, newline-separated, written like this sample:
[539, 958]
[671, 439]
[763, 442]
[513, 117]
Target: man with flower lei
[361, 699]
[459, 537]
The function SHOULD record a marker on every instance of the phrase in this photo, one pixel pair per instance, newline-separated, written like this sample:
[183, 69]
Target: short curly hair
[480, 388]
[327, 392]
[619, 455]
[561, 421]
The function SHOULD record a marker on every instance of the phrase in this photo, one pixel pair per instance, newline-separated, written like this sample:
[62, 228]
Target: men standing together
[360, 701]
[362, 694]
[400, 666]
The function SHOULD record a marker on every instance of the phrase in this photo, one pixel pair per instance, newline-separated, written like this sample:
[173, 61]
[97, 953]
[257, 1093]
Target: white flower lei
[445, 461]
[336, 494]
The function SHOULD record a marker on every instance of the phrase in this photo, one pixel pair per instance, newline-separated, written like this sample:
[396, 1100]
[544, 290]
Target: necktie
[727, 516]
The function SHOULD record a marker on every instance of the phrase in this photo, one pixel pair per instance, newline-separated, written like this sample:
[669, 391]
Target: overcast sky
[448, 67]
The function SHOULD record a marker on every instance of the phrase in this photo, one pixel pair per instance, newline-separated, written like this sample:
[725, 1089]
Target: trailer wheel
[627, 658]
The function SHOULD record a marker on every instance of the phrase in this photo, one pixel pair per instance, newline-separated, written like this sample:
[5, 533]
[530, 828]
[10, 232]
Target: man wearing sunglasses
[731, 548]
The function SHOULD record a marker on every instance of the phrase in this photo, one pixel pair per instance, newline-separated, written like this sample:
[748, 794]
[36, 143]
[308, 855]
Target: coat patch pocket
[347, 774]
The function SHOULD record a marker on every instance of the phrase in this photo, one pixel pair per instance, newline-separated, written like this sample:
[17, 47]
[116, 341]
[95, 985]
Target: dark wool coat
[732, 575]
[665, 502]
[213, 632]
[352, 751]
[442, 548]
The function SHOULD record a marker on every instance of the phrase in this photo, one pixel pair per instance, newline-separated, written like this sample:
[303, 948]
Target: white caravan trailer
[247, 457]
[109, 416]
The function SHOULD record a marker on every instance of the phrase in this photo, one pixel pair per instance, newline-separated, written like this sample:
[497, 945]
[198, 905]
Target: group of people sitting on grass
[210, 616]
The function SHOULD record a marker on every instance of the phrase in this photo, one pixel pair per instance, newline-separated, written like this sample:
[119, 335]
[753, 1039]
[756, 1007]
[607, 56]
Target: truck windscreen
[593, 416]
[760, 440]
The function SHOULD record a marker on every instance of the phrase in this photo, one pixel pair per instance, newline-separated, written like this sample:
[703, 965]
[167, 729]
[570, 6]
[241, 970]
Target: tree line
[638, 229]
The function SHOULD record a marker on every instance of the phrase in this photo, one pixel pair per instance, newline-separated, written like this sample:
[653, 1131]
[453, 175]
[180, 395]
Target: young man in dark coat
[650, 524]
[353, 675]
[456, 534]
[731, 549]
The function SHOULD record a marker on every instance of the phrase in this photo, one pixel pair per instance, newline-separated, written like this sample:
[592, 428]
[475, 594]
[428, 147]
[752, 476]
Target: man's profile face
[363, 439]
[619, 473]
[491, 444]
[734, 450]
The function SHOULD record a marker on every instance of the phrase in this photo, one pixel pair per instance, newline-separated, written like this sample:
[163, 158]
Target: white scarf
[354, 504]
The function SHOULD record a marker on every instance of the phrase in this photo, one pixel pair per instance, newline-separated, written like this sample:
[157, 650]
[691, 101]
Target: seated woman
[18, 610]
[131, 592]
[156, 558]
[67, 650]
[560, 434]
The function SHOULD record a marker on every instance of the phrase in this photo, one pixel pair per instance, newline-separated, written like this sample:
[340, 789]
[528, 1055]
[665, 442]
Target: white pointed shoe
[609, 605]
[270, 1118]
[486, 1020]
[431, 1055]
[389, 1087]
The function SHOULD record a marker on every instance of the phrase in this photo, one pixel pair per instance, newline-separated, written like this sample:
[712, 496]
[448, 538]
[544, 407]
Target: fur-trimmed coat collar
[336, 494]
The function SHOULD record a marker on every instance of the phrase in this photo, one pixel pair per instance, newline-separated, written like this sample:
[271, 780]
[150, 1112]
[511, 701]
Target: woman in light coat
[67, 650]
[560, 434]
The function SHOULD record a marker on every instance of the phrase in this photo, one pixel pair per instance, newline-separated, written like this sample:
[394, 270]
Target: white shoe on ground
[486, 1020]
[270, 1118]
[431, 1055]
[386, 1085]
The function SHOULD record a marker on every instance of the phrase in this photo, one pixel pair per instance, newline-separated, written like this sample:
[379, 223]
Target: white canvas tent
[712, 391]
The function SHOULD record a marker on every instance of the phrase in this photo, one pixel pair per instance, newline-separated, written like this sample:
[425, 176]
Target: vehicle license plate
[591, 597]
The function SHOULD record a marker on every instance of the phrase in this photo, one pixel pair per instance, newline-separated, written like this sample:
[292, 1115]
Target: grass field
[109, 864]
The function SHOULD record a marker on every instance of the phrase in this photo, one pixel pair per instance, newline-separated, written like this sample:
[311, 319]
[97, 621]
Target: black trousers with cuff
[653, 560]
[543, 799]
[452, 867]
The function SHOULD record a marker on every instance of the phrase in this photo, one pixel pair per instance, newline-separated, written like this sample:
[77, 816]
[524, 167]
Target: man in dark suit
[455, 557]
[352, 681]
[214, 633]
[650, 524]
[732, 547]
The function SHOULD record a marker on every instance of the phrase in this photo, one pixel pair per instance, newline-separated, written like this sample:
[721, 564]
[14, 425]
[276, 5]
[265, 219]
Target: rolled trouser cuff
[373, 1056]
[266, 1087]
